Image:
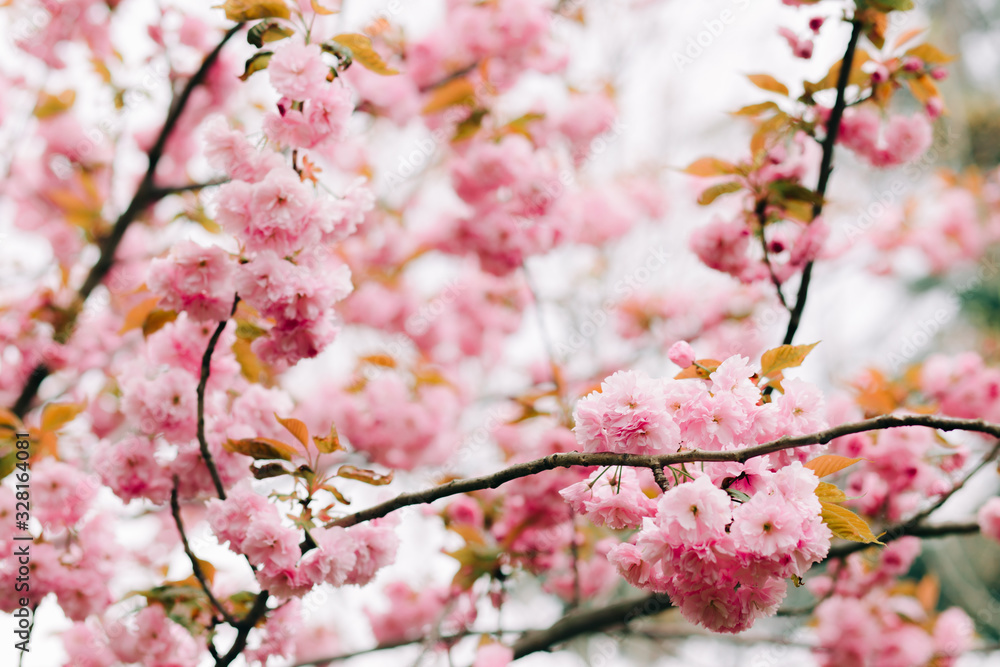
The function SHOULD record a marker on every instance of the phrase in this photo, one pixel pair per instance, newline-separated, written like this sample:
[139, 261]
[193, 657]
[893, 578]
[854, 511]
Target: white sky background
[672, 115]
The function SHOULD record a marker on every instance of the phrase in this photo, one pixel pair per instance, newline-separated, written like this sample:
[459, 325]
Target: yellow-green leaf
[847, 525]
[755, 109]
[50, 105]
[330, 443]
[248, 10]
[296, 428]
[156, 320]
[829, 493]
[320, 9]
[829, 463]
[267, 31]
[715, 191]
[363, 52]
[710, 166]
[256, 63]
[784, 356]
[261, 448]
[768, 83]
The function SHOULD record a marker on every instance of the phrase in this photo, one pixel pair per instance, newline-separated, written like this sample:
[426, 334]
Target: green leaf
[828, 464]
[261, 448]
[363, 52]
[256, 63]
[267, 31]
[782, 357]
[715, 191]
[847, 525]
[768, 83]
[710, 166]
[248, 10]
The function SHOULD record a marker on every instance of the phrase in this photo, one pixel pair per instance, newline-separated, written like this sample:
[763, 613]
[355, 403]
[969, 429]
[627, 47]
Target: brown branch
[199, 574]
[904, 529]
[825, 169]
[160, 193]
[915, 526]
[579, 623]
[206, 363]
[573, 459]
[243, 629]
[146, 194]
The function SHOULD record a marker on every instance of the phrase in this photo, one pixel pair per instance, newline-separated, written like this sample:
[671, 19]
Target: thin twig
[904, 529]
[243, 629]
[825, 169]
[572, 459]
[199, 574]
[206, 364]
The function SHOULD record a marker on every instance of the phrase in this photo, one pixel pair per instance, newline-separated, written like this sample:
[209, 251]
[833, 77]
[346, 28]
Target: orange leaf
[829, 463]
[296, 428]
[261, 448]
[138, 314]
[768, 83]
[710, 166]
[57, 415]
[458, 91]
[362, 475]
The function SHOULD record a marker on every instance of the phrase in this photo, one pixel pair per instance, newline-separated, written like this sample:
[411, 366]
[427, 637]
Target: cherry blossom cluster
[253, 527]
[73, 555]
[868, 617]
[903, 139]
[725, 562]
[722, 540]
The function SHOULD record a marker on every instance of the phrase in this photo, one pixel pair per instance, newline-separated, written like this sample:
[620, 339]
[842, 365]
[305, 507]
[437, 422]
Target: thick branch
[175, 510]
[146, 194]
[592, 620]
[572, 459]
[206, 364]
[825, 169]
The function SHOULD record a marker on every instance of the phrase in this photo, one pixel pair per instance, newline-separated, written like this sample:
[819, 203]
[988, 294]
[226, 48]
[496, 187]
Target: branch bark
[145, 195]
[825, 169]
[206, 365]
[572, 459]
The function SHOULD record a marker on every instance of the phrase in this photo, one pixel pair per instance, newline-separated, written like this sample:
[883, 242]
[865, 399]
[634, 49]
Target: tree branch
[243, 629]
[206, 364]
[904, 529]
[146, 194]
[572, 459]
[825, 169]
[592, 620]
[160, 193]
[175, 510]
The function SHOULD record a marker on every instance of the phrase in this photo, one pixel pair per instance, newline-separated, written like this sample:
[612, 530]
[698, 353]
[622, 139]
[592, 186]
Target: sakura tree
[351, 333]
